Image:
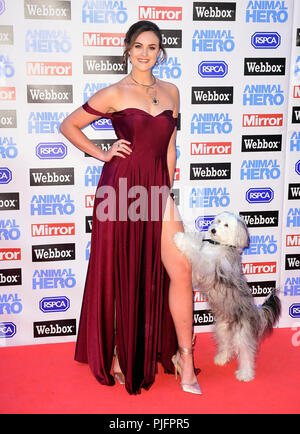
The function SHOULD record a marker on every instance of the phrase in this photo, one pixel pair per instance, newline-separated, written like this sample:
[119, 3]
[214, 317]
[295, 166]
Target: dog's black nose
[213, 231]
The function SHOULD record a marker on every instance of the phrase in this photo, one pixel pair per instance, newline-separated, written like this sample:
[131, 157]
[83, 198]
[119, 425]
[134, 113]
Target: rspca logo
[45, 122]
[297, 167]
[51, 151]
[213, 69]
[213, 41]
[293, 218]
[92, 175]
[7, 329]
[102, 124]
[209, 197]
[259, 195]
[265, 40]
[52, 204]
[261, 245]
[263, 95]
[294, 310]
[202, 223]
[53, 278]
[104, 12]
[292, 286]
[7, 69]
[267, 12]
[47, 41]
[54, 304]
[260, 169]
[8, 147]
[9, 230]
[169, 69]
[5, 175]
[211, 123]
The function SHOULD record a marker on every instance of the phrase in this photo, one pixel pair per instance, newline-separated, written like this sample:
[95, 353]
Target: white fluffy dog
[217, 272]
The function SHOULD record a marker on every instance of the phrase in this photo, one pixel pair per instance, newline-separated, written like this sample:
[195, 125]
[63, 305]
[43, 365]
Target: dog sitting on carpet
[217, 273]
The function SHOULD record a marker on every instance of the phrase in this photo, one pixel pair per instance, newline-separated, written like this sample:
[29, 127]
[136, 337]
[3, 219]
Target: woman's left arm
[171, 154]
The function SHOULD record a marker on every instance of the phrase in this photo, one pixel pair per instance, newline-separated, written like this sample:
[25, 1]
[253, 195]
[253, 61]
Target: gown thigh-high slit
[125, 302]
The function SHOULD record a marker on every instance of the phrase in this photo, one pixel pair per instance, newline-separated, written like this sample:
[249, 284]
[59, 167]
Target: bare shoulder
[104, 99]
[170, 87]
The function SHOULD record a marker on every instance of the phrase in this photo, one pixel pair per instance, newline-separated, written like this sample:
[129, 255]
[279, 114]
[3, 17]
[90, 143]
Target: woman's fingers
[120, 146]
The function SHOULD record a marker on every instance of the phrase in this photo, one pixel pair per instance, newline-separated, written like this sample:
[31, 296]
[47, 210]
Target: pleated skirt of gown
[125, 301]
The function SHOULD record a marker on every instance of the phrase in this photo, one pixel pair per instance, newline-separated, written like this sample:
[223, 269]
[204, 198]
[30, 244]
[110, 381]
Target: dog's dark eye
[226, 225]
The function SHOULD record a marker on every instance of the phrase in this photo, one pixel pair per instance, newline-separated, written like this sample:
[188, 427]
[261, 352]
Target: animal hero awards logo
[263, 95]
[213, 40]
[104, 12]
[211, 123]
[274, 11]
[47, 41]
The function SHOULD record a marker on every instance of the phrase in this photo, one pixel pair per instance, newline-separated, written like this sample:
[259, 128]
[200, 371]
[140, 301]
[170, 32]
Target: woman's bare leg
[181, 291]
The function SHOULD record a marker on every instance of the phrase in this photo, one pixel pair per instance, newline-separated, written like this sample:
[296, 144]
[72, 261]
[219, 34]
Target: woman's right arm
[78, 119]
[71, 129]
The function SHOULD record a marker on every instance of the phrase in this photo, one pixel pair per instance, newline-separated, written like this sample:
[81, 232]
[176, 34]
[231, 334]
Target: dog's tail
[269, 313]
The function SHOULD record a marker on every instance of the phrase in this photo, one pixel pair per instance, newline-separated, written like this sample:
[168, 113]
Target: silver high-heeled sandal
[119, 376]
[191, 388]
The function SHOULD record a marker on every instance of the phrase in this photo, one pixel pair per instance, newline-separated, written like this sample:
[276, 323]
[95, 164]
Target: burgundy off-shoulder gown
[125, 274]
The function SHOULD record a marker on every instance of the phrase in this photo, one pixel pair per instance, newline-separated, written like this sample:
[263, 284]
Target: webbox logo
[214, 11]
[47, 9]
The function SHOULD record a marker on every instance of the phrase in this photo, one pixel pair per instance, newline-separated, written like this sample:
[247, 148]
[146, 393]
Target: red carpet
[45, 379]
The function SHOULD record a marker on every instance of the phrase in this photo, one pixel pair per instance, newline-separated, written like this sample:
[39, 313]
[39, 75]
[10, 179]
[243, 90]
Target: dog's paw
[244, 374]
[221, 359]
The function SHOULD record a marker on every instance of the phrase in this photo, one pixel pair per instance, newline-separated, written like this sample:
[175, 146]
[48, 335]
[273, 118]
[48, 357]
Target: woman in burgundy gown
[137, 301]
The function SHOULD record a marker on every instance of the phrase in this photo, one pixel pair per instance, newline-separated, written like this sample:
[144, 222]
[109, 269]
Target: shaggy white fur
[217, 272]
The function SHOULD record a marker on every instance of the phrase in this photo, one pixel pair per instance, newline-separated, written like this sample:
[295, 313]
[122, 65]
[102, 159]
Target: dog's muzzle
[216, 243]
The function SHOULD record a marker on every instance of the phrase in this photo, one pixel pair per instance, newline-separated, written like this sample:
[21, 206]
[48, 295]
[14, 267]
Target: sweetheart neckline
[143, 111]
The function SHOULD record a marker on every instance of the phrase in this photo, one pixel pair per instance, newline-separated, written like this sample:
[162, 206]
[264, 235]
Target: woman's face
[145, 50]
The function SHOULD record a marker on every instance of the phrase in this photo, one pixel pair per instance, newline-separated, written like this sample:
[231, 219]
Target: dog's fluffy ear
[242, 238]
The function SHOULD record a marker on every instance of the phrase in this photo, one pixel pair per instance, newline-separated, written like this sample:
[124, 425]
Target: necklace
[149, 87]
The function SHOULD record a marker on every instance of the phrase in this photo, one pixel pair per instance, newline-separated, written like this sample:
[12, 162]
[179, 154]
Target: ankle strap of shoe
[183, 350]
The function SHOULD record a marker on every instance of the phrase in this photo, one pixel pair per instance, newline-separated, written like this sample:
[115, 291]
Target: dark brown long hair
[135, 30]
